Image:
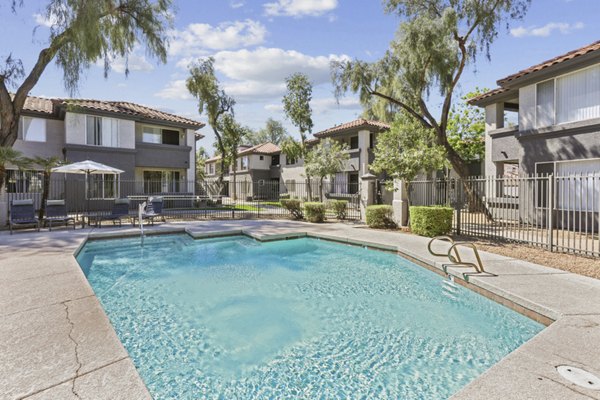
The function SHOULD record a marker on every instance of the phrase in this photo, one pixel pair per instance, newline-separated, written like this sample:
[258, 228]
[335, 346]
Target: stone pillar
[3, 208]
[364, 138]
[400, 204]
[367, 194]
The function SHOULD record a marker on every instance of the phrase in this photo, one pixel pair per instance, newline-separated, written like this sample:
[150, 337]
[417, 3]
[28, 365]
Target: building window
[24, 181]
[354, 142]
[290, 185]
[290, 161]
[103, 186]
[580, 191]
[244, 163]
[544, 109]
[568, 98]
[102, 131]
[34, 129]
[275, 160]
[156, 182]
[261, 158]
[151, 134]
[371, 140]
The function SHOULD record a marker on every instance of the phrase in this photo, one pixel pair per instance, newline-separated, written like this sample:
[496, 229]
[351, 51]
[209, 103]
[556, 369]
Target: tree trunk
[2, 177]
[10, 131]
[308, 188]
[45, 193]
[234, 170]
[321, 189]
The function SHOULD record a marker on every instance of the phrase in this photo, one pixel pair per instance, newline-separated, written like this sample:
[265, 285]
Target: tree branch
[404, 106]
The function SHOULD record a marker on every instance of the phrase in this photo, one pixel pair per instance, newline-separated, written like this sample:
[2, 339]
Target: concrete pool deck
[56, 342]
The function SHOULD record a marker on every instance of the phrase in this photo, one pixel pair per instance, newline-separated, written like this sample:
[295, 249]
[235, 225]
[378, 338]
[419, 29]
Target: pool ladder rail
[454, 255]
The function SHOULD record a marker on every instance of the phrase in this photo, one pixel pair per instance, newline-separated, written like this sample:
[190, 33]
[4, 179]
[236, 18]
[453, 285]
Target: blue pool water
[233, 318]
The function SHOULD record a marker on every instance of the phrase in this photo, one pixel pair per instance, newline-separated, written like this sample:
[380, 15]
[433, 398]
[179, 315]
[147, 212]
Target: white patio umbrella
[88, 168]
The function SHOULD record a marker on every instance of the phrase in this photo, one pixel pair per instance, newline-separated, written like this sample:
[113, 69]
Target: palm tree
[46, 164]
[8, 155]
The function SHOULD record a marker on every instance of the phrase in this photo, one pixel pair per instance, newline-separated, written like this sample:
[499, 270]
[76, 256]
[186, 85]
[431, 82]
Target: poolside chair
[56, 213]
[154, 209]
[22, 212]
[119, 211]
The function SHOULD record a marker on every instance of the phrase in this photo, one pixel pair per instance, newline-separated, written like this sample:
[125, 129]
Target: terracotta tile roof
[263, 148]
[358, 123]
[485, 95]
[133, 110]
[556, 60]
[42, 105]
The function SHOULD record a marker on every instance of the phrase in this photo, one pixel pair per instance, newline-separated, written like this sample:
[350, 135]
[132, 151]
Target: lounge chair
[119, 211]
[154, 209]
[56, 213]
[22, 212]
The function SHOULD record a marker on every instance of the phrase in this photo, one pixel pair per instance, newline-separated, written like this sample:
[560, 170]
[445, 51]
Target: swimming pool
[236, 318]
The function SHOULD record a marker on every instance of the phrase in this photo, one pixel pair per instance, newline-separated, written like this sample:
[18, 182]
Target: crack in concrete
[79, 364]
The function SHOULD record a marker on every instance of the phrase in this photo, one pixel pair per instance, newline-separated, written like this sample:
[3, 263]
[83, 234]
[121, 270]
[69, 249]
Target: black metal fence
[183, 200]
[559, 213]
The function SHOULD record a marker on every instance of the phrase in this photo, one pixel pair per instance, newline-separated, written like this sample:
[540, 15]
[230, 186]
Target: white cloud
[299, 8]
[175, 90]
[197, 39]
[273, 64]
[546, 30]
[237, 4]
[44, 21]
[322, 105]
[253, 90]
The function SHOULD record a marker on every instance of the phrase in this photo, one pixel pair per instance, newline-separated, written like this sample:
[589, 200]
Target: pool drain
[579, 377]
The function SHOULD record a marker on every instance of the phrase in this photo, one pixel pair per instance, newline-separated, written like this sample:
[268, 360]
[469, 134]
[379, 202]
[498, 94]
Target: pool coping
[538, 378]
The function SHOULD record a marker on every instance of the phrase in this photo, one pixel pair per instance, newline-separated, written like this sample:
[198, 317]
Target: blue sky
[257, 43]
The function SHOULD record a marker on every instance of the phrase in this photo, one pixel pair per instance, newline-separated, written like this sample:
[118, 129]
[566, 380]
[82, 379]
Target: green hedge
[315, 212]
[380, 216]
[431, 221]
[339, 207]
[294, 207]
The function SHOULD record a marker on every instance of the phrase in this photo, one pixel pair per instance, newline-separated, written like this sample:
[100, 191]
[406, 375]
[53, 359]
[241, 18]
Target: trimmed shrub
[293, 206]
[431, 221]
[339, 207]
[315, 212]
[380, 216]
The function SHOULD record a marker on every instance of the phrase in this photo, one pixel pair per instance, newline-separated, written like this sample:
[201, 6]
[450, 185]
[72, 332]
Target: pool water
[233, 318]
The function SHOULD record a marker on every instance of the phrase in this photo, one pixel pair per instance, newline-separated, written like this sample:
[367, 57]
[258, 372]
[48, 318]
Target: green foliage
[431, 221]
[296, 102]
[380, 216]
[315, 212]
[273, 132]
[407, 149]
[46, 164]
[466, 129]
[8, 155]
[212, 100]
[294, 207]
[326, 158]
[436, 41]
[340, 208]
[201, 157]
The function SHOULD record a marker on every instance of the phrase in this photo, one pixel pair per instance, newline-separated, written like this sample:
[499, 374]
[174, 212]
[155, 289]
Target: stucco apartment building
[558, 106]
[154, 148]
[257, 171]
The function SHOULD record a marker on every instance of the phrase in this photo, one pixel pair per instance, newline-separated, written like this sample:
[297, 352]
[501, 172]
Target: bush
[380, 216]
[339, 207]
[315, 212]
[284, 196]
[431, 221]
[293, 206]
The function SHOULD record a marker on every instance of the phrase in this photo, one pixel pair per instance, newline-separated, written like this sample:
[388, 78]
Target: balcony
[162, 155]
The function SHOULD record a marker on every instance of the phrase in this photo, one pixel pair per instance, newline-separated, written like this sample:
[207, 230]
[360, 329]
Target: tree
[82, 32]
[8, 155]
[212, 100]
[296, 105]
[466, 129]
[46, 164]
[436, 41]
[407, 149]
[325, 159]
[201, 157]
[273, 132]
[233, 135]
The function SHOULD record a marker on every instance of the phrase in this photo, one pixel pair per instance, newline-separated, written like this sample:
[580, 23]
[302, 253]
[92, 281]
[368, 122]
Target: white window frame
[153, 128]
[116, 187]
[118, 135]
[24, 131]
[554, 111]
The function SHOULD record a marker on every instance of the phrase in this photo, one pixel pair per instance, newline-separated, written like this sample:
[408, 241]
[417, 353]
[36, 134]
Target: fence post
[551, 212]
[367, 191]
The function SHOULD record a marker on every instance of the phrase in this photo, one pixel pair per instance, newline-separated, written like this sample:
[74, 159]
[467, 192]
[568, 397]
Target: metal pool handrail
[455, 258]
